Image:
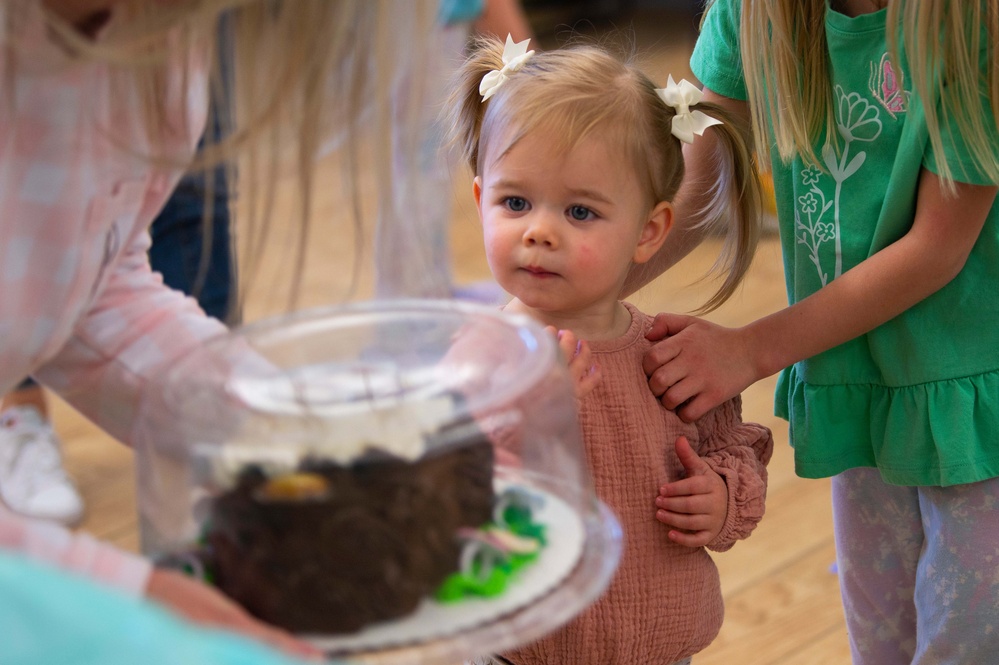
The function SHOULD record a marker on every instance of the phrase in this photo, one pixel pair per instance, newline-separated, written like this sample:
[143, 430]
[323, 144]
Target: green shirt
[918, 397]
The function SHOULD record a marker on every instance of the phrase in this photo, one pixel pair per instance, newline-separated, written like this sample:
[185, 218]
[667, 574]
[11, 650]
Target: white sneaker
[33, 481]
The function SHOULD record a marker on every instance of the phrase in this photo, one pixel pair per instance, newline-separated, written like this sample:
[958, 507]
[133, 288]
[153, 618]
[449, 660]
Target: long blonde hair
[572, 92]
[302, 72]
[945, 43]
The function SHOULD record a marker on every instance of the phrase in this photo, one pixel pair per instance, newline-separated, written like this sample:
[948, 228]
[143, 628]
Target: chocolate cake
[331, 548]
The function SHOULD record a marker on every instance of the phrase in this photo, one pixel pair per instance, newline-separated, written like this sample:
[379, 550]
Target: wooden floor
[781, 593]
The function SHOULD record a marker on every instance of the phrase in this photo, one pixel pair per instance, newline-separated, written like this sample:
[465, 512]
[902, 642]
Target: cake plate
[575, 567]
[593, 571]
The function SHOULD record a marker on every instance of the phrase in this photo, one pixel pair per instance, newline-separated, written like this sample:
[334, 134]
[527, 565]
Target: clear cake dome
[348, 454]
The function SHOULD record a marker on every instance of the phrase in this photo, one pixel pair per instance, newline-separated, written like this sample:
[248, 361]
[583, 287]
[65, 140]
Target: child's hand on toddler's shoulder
[583, 370]
[695, 365]
[696, 506]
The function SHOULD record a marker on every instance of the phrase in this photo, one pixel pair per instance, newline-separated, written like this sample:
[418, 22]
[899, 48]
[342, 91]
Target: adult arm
[699, 365]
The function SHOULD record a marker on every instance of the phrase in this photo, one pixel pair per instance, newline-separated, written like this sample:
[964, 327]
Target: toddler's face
[561, 230]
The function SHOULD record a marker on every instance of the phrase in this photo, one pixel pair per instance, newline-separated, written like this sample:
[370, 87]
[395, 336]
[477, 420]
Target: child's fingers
[569, 343]
[694, 504]
[678, 395]
[583, 355]
[588, 381]
[665, 324]
[690, 530]
[583, 370]
[583, 363]
[694, 485]
[691, 461]
[663, 368]
[696, 521]
[698, 539]
[696, 406]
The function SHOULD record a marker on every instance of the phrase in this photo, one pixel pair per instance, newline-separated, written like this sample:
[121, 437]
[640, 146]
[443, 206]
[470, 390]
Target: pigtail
[465, 109]
[733, 202]
[725, 201]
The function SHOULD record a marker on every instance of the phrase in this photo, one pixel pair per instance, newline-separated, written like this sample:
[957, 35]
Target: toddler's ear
[654, 233]
[477, 192]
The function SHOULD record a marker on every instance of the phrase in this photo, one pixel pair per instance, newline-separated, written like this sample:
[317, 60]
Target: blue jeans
[180, 245]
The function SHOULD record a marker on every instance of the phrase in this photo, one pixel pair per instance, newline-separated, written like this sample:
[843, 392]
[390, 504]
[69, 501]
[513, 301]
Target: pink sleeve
[739, 453]
[133, 325]
[77, 552]
[134, 328]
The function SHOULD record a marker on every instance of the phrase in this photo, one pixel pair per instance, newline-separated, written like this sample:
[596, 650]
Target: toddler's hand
[584, 371]
[202, 604]
[696, 506]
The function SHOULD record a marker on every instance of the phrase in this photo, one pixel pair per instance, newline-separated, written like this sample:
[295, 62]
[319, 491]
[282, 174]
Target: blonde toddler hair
[573, 93]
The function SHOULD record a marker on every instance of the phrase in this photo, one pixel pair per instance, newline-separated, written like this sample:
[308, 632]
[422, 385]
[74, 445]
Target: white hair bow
[515, 54]
[681, 96]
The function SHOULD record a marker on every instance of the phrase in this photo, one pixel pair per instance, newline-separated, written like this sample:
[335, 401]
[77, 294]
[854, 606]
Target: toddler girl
[577, 157]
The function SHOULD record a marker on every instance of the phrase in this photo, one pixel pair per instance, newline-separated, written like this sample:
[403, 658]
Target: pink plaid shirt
[80, 308]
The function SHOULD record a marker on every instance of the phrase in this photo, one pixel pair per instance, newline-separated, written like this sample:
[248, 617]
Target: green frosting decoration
[490, 560]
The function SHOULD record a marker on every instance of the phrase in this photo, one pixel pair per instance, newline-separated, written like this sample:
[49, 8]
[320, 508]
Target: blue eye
[515, 204]
[580, 213]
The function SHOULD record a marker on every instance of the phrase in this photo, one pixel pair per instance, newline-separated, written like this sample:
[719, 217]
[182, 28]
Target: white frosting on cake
[334, 415]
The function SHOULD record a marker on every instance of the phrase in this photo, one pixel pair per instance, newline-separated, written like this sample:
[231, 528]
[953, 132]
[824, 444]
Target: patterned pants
[919, 570]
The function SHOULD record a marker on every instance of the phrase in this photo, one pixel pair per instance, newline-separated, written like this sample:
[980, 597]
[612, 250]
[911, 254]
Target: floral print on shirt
[817, 214]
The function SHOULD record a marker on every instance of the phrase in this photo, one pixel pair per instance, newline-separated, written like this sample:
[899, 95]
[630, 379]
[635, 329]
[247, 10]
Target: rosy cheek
[587, 256]
[497, 246]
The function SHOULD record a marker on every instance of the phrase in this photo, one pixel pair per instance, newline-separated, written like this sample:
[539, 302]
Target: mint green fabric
[49, 616]
[918, 397]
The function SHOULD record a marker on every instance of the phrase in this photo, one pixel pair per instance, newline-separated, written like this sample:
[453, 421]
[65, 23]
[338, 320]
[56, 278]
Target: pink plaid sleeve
[75, 552]
[80, 308]
[86, 314]
[134, 329]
